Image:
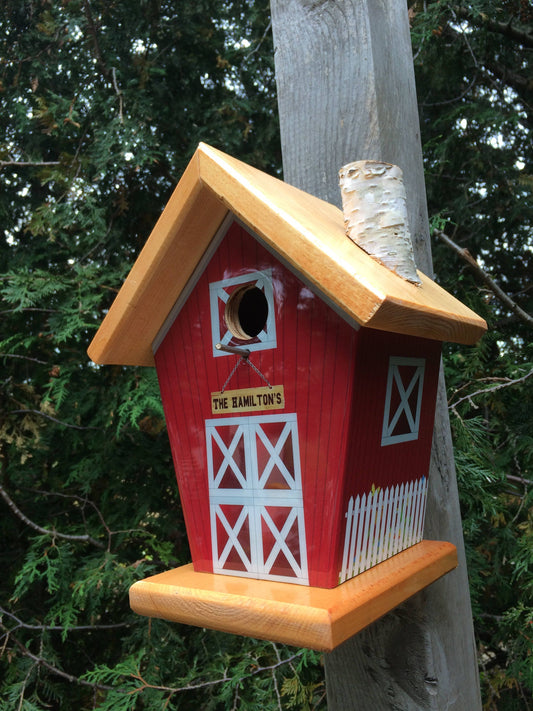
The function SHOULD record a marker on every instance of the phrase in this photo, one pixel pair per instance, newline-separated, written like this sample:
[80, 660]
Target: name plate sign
[248, 400]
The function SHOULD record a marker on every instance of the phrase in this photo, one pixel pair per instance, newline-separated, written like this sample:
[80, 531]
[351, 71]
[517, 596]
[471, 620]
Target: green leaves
[47, 562]
[141, 406]
[25, 288]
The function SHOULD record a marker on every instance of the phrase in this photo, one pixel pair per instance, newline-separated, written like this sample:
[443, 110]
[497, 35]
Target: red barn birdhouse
[298, 376]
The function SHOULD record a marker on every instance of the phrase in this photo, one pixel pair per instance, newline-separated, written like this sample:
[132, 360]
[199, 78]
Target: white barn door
[255, 498]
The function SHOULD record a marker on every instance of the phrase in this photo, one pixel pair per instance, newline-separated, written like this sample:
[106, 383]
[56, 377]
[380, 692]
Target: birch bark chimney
[375, 214]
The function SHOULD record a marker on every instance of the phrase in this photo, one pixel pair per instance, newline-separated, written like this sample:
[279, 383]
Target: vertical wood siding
[313, 360]
[335, 381]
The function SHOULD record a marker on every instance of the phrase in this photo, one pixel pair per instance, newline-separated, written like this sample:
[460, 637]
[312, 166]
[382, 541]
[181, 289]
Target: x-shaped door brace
[274, 452]
[228, 460]
[280, 536]
[394, 380]
[233, 532]
[251, 478]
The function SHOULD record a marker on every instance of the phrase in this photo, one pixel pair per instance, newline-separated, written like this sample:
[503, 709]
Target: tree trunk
[346, 92]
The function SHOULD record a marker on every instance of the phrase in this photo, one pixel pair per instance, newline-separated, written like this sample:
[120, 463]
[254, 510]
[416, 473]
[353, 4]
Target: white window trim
[217, 291]
[394, 379]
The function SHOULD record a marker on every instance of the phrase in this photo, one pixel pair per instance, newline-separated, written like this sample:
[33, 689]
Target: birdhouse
[298, 376]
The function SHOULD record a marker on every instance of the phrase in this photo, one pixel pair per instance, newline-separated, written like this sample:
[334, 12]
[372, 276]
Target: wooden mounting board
[298, 615]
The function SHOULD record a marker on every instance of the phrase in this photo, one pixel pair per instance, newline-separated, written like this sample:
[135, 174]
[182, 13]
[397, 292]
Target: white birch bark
[375, 214]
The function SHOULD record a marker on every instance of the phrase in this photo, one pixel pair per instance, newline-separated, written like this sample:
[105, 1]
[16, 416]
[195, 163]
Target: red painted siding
[312, 360]
[369, 462]
[334, 379]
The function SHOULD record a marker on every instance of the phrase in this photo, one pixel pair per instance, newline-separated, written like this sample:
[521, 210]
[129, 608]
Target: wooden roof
[307, 233]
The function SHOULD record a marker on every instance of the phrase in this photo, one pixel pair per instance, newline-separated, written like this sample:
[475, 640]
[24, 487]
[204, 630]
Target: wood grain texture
[159, 274]
[293, 614]
[346, 92]
[307, 233]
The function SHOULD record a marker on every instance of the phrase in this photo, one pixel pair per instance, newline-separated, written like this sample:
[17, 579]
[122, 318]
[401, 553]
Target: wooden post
[346, 92]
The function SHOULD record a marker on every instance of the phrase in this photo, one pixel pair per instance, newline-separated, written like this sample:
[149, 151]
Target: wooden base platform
[302, 616]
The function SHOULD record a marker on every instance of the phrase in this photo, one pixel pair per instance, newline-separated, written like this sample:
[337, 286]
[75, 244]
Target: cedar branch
[41, 662]
[507, 29]
[94, 36]
[54, 419]
[59, 628]
[492, 71]
[82, 538]
[23, 357]
[518, 82]
[86, 502]
[27, 163]
[496, 290]
[193, 686]
[507, 382]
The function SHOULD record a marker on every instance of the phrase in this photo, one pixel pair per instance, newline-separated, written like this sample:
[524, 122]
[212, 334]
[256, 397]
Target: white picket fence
[382, 523]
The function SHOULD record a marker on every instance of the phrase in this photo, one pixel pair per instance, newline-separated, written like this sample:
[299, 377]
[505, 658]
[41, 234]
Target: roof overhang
[307, 234]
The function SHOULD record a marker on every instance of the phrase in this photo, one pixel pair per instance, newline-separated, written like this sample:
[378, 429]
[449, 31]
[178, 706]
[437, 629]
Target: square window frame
[387, 438]
[217, 290]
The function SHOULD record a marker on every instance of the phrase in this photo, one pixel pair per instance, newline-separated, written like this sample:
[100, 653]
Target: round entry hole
[246, 312]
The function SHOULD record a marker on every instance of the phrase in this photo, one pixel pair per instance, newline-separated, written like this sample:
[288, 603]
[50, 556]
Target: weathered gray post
[346, 92]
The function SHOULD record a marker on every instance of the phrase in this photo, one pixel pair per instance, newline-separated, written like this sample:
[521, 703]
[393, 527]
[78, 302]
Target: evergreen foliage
[104, 102]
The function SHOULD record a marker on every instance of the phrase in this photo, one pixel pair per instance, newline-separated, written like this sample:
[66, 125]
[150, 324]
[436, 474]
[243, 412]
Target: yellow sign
[248, 400]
